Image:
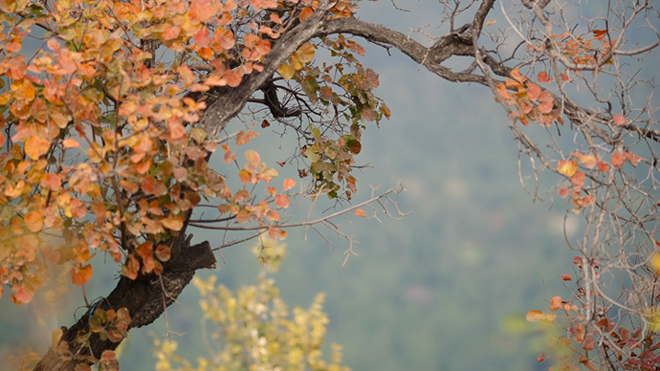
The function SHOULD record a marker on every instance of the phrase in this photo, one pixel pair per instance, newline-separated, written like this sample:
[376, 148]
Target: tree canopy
[109, 125]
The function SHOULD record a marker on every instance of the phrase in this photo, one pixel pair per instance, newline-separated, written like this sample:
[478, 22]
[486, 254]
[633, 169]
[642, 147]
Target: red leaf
[563, 192]
[620, 120]
[541, 358]
[566, 277]
[543, 77]
[589, 343]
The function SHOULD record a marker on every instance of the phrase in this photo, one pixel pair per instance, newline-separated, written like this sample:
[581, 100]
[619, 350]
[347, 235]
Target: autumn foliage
[110, 119]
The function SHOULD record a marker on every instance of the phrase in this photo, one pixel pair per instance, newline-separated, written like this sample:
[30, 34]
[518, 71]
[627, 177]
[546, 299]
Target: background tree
[140, 170]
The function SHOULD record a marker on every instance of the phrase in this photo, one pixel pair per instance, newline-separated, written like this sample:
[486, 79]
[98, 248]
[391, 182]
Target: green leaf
[198, 135]
[311, 153]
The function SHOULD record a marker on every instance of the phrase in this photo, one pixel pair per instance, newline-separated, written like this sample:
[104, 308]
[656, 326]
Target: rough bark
[143, 297]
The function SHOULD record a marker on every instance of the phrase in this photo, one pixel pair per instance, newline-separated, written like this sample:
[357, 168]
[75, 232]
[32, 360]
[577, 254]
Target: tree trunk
[146, 298]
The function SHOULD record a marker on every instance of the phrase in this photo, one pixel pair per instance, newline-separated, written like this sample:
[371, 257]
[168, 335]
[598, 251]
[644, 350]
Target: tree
[253, 326]
[110, 125]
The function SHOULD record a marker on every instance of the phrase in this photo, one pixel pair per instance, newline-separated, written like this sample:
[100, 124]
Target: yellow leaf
[306, 53]
[172, 223]
[286, 71]
[567, 168]
[655, 262]
[55, 337]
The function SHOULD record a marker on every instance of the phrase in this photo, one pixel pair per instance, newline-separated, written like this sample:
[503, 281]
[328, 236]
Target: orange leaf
[534, 315]
[252, 157]
[541, 358]
[172, 223]
[275, 18]
[533, 91]
[36, 146]
[555, 303]
[34, 221]
[282, 201]
[80, 275]
[70, 143]
[268, 175]
[360, 212]
[244, 137]
[51, 181]
[578, 180]
[276, 233]
[618, 159]
[288, 184]
[305, 13]
[22, 293]
[515, 73]
[245, 176]
[567, 168]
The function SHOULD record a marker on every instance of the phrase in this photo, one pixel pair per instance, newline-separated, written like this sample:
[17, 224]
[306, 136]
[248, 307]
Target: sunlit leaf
[567, 167]
[80, 275]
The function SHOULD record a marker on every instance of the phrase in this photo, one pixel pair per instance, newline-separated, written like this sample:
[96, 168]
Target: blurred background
[446, 288]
